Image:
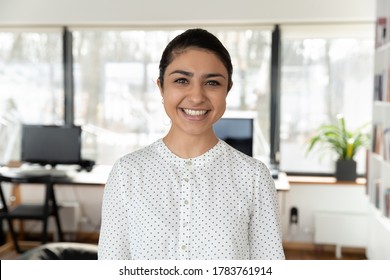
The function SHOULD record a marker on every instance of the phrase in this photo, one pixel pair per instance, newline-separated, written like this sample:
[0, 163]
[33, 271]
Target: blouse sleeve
[265, 238]
[113, 240]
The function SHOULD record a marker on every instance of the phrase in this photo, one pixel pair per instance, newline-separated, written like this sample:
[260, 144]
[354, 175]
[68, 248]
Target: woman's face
[194, 91]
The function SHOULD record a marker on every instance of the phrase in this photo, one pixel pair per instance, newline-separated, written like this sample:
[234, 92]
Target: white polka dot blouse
[220, 205]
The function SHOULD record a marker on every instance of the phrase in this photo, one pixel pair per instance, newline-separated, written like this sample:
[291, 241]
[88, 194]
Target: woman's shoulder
[148, 152]
[244, 165]
[241, 158]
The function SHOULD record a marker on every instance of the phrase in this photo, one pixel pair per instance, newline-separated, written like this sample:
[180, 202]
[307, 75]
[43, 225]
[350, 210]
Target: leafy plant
[337, 138]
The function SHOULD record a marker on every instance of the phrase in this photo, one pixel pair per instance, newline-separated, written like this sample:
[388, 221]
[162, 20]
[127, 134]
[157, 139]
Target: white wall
[154, 12]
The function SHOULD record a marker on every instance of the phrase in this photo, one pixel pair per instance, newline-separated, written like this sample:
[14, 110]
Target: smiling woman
[194, 99]
[190, 195]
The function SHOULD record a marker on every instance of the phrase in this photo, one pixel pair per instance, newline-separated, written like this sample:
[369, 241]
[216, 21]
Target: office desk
[97, 177]
[16, 176]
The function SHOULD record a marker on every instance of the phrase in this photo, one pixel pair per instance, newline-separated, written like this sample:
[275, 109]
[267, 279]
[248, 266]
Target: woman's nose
[197, 94]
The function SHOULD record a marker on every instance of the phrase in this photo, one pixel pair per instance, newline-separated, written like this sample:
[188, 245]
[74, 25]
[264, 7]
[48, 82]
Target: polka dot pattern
[220, 205]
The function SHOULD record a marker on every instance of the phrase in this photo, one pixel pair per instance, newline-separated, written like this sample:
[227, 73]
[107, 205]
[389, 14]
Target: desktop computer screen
[237, 132]
[51, 145]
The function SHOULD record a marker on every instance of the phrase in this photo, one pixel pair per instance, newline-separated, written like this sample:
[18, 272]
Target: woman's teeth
[194, 112]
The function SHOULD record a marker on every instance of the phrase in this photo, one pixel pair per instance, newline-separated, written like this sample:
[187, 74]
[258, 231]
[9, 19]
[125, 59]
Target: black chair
[40, 212]
[62, 251]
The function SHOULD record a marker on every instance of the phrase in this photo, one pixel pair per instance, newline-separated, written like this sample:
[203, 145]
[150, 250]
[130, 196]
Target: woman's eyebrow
[185, 73]
[190, 74]
[213, 75]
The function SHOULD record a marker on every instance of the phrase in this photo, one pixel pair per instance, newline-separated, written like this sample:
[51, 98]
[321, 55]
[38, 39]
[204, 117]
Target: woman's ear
[160, 86]
[229, 87]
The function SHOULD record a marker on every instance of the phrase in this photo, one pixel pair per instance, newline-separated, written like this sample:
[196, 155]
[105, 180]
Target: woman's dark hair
[195, 38]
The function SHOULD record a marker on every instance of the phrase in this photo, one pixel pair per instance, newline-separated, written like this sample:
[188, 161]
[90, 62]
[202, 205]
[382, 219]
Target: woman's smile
[192, 112]
[194, 93]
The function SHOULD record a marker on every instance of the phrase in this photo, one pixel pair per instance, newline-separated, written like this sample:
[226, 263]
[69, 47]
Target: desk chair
[62, 251]
[30, 212]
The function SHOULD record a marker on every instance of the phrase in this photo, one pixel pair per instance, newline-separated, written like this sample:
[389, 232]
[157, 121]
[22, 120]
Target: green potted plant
[345, 144]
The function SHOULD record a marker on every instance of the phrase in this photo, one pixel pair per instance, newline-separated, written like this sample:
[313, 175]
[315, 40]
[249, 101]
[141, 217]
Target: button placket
[185, 210]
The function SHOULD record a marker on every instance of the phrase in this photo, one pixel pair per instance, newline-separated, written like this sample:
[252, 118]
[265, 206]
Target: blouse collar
[203, 159]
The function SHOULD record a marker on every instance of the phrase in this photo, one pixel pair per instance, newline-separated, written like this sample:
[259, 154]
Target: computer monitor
[51, 145]
[237, 132]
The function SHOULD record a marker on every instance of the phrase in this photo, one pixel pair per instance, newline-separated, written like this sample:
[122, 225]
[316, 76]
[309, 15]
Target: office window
[326, 70]
[31, 84]
[117, 101]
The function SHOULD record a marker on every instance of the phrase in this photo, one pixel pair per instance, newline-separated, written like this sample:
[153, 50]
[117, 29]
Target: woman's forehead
[196, 56]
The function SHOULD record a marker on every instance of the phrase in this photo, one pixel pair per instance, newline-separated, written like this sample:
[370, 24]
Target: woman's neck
[189, 146]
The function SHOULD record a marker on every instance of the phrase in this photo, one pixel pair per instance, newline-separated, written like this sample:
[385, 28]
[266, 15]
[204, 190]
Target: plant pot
[346, 170]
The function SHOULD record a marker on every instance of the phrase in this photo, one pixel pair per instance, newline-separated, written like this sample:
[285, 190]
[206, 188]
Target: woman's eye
[213, 83]
[181, 81]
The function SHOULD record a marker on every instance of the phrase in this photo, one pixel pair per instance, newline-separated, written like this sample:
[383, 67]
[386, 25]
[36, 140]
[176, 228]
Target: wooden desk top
[323, 180]
[98, 176]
